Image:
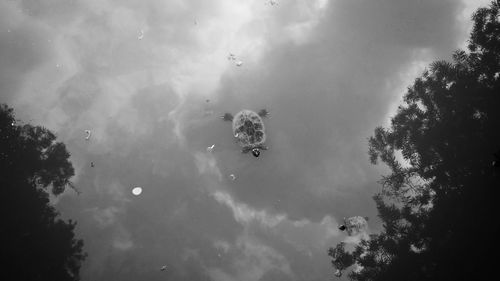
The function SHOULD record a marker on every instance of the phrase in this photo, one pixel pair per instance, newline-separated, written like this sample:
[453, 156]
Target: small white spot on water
[137, 190]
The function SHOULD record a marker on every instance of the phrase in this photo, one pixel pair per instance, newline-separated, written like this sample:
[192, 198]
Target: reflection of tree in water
[36, 243]
[447, 190]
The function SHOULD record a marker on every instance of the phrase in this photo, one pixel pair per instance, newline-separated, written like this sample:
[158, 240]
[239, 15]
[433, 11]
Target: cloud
[309, 14]
[106, 216]
[244, 214]
[253, 260]
[207, 164]
[303, 234]
[122, 240]
[222, 246]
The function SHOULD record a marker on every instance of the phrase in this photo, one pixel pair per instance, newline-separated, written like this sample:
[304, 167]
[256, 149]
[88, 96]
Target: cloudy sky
[138, 74]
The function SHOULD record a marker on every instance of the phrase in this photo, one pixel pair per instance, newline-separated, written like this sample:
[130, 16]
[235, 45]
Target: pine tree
[36, 244]
[438, 208]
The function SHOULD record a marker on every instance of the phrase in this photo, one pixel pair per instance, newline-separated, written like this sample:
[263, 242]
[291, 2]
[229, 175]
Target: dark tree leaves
[36, 244]
[341, 259]
[439, 205]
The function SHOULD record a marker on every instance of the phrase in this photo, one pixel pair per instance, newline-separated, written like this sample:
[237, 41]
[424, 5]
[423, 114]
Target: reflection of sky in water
[150, 80]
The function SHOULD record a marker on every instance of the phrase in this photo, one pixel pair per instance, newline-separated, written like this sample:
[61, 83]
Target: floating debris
[210, 148]
[163, 268]
[232, 57]
[232, 176]
[137, 190]
[338, 273]
[92, 164]
[141, 34]
[496, 162]
[88, 132]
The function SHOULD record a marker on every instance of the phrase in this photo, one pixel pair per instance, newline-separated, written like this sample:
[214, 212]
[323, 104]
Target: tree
[36, 244]
[438, 205]
[341, 259]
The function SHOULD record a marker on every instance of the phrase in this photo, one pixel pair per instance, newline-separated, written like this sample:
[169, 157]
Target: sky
[150, 78]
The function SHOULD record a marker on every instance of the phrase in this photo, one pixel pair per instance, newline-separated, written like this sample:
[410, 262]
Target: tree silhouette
[36, 244]
[438, 205]
[341, 259]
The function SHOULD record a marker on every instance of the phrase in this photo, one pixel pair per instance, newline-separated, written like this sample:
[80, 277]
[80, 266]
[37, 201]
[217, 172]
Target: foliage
[36, 244]
[437, 201]
[340, 258]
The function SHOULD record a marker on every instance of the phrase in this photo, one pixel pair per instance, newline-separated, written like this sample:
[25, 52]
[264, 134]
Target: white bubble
[137, 190]
[141, 34]
[232, 176]
[239, 63]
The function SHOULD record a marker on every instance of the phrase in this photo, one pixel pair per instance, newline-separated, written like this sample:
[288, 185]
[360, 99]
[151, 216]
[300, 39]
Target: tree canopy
[36, 243]
[438, 203]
